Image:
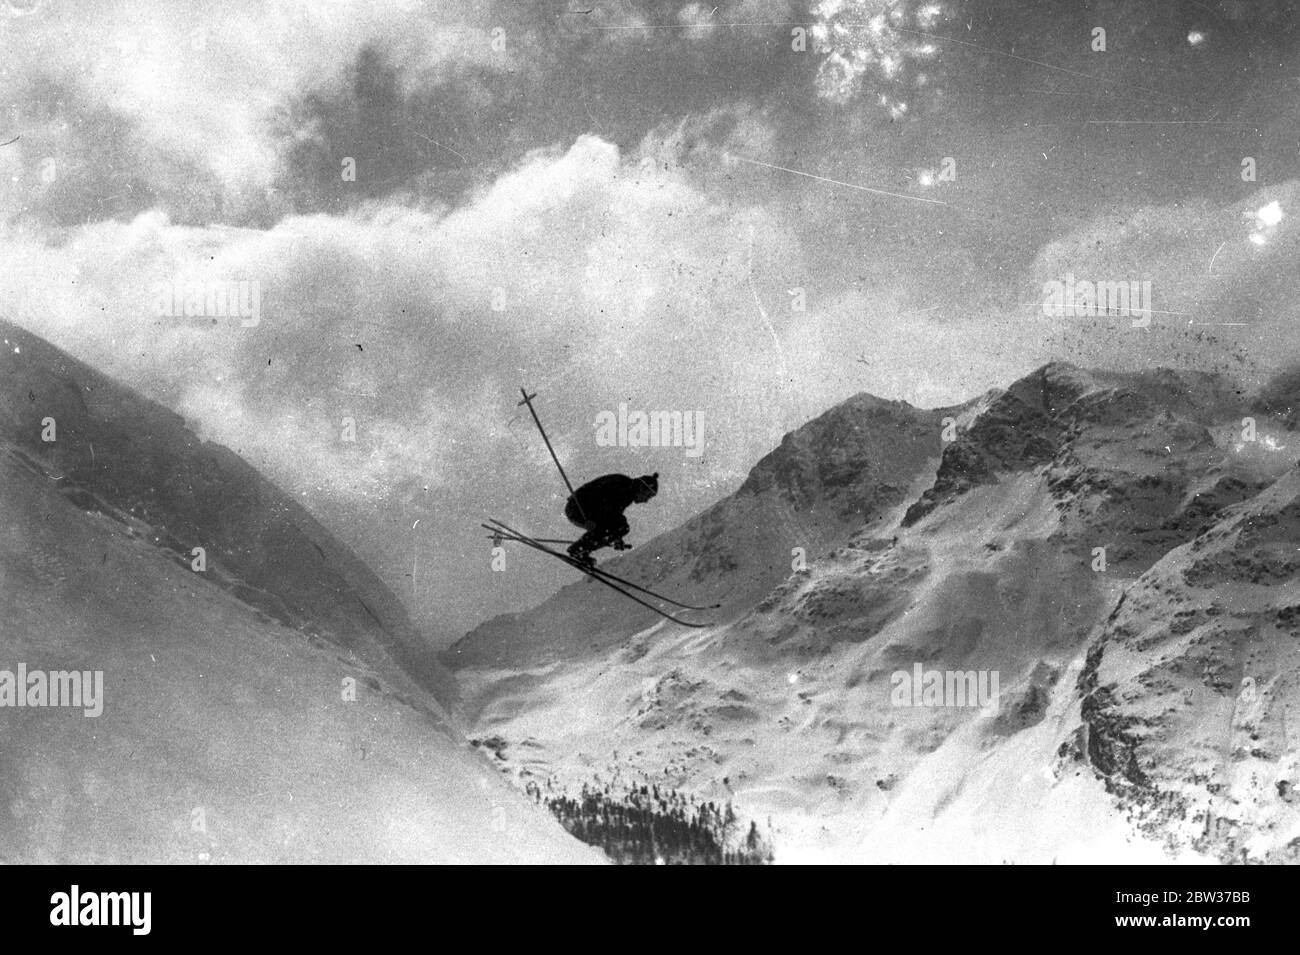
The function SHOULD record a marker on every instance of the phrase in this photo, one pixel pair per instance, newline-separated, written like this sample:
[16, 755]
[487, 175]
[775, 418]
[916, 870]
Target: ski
[506, 537]
[596, 575]
[605, 573]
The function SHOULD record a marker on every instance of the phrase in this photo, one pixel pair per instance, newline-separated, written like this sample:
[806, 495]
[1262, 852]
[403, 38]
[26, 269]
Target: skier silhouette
[597, 507]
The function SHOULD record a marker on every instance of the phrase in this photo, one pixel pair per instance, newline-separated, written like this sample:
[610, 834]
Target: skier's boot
[578, 552]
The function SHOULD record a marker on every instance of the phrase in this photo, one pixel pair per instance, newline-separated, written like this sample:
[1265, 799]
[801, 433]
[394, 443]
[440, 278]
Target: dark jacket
[604, 500]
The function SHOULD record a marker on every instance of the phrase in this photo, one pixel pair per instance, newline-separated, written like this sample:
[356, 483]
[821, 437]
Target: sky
[748, 210]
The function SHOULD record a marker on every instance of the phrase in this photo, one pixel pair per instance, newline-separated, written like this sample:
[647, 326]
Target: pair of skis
[624, 587]
[614, 582]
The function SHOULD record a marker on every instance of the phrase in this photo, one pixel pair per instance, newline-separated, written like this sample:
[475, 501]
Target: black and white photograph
[650, 432]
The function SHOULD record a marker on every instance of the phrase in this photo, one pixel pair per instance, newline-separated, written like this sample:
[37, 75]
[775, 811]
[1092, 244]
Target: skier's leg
[617, 531]
[603, 534]
[580, 550]
[597, 536]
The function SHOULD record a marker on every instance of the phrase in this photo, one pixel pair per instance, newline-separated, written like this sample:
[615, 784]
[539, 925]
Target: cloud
[1208, 264]
[168, 109]
[244, 114]
[1222, 294]
[576, 265]
[579, 272]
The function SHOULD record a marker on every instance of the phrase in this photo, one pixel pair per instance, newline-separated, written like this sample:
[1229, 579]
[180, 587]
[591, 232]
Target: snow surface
[225, 735]
[784, 706]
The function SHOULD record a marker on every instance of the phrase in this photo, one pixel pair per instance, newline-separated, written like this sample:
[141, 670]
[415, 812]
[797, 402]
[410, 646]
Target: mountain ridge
[1017, 549]
[262, 710]
[154, 474]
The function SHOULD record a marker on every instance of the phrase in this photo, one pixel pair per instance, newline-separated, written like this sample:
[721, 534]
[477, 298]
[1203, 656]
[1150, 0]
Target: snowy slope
[122, 455]
[226, 733]
[990, 566]
[1193, 688]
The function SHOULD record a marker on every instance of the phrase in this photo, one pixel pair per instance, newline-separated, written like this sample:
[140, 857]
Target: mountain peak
[845, 446]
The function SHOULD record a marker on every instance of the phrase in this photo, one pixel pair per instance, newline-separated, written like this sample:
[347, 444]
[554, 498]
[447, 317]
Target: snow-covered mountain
[274, 707]
[1190, 691]
[1116, 548]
